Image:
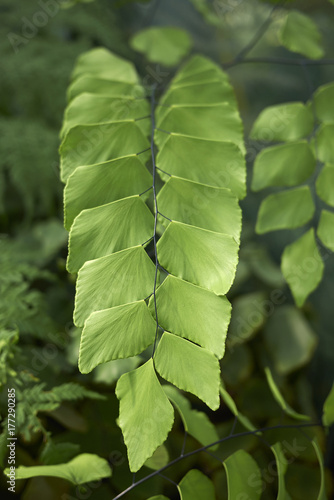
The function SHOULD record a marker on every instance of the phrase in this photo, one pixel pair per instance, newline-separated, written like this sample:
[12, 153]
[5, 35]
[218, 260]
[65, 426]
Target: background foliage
[39, 344]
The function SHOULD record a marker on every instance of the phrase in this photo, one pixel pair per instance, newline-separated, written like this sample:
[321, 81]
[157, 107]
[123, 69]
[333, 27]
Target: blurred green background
[36, 291]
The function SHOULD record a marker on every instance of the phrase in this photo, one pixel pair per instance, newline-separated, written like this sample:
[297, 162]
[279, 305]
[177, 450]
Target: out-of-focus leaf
[248, 315]
[196, 486]
[325, 183]
[328, 410]
[281, 464]
[166, 45]
[82, 469]
[196, 423]
[284, 165]
[302, 266]
[324, 102]
[324, 143]
[285, 210]
[279, 398]
[233, 408]
[289, 339]
[300, 34]
[240, 468]
[283, 122]
[326, 229]
[159, 458]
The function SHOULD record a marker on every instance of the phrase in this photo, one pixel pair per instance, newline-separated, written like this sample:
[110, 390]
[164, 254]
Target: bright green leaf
[200, 205]
[326, 229]
[199, 69]
[195, 423]
[166, 45]
[325, 183]
[280, 400]
[111, 181]
[116, 333]
[243, 476]
[302, 266]
[131, 273]
[202, 257]
[215, 122]
[81, 469]
[285, 210]
[100, 231]
[101, 63]
[290, 340]
[212, 92]
[89, 109]
[193, 313]
[91, 144]
[324, 143]
[103, 86]
[284, 165]
[146, 415]
[283, 122]
[110, 372]
[175, 359]
[300, 34]
[185, 156]
[196, 486]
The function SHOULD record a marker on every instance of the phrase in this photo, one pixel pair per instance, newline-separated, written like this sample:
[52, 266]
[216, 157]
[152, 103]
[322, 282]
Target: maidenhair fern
[305, 132]
[161, 176]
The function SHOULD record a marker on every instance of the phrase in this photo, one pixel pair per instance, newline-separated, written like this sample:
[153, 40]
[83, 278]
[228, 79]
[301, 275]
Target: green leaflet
[130, 271]
[212, 121]
[101, 63]
[324, 143]
[166, 45]
[328, 409]
[284, 165]
[326, 229]
[104, 162]
[90, 144]
[112, 180]
[284, 122]
[190, 311]
[195, 255]
[103, 86]
[175, 360]
[324, 184]
[302, 266]
[100, 231]
[279, 398]
[324, 103]
[81, 469]
[91, 108]
[185, 156]
[200, 205]
[300, 34]
[196, 486]
[116, 333]
[285, 210]
[196, 423]
[243, 476]
[146, 416]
